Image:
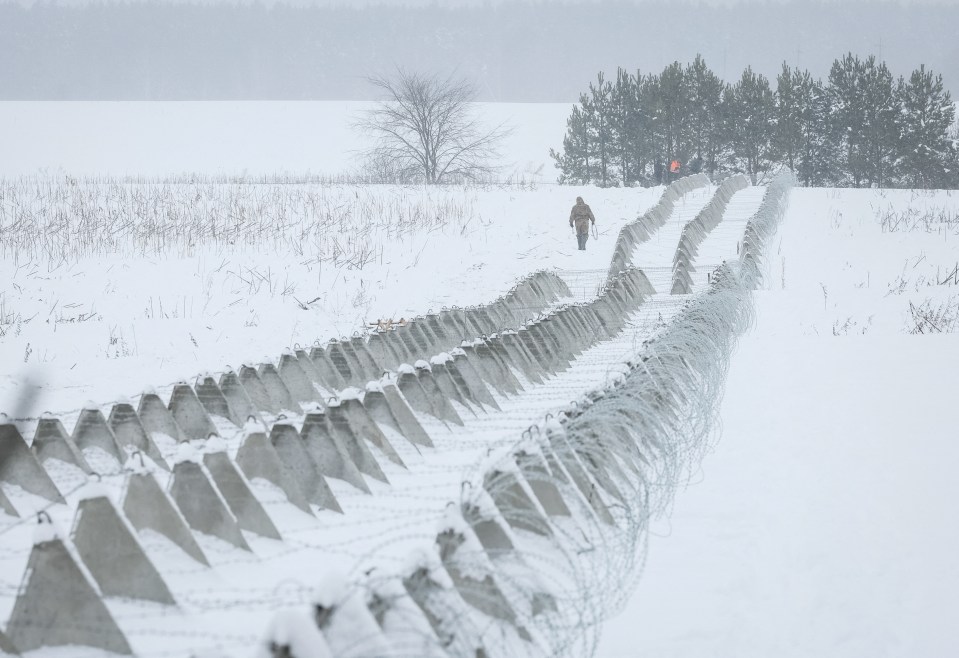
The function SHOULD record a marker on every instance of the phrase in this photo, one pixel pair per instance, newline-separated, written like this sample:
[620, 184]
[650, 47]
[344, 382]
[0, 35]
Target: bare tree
[425, 131]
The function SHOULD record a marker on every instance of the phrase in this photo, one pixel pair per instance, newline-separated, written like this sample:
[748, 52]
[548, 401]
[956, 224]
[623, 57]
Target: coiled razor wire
[549, 536]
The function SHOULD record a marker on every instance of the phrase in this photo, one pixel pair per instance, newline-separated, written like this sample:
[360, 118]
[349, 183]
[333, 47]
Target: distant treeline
[536, 51]
[860, 127]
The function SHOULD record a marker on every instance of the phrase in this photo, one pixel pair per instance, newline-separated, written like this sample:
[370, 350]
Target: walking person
[580, 218]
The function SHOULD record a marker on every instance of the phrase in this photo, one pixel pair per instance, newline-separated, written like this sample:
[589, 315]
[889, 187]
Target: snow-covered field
[821, 525]
[818, 525]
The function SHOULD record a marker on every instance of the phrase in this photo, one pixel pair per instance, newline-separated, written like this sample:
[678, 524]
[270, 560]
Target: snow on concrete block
[401, 620]
[409, 385]
[472, 575]
[347, 624]
[51, 441]
[147, 507]
[489, 531]
[257, 458]
[295, 380]
[440, 404]
[202, 506]
[387, 407]
[364, 427]
[330, 454]
[129, 431]
[519, 510]
[360, 455]
[92, 431]
[293, 634]
[57, 606]
[301, 468]
[276, 388]
[113, 556]
[156, 418]
[430, 588]
[190, 414]
[246, 508]
[256, 391]
[213, 400]
[241, 406]
[19, 466]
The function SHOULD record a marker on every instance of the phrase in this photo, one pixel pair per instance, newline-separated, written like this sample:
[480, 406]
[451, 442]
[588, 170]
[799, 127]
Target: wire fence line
[541, 522]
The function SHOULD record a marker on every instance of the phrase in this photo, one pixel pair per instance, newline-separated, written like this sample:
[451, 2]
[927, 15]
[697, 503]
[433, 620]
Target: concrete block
[301, 468]
[148, 508]
[472, 378]
[330, 454]
[395, 342]
[213, 400]
[248, 511]
[581, 478]
[51, 441]
[92, 431]
[540, 480]
[441, 406]
[6, 506]
[370, 368]
[256, 391]
[409, 385]
[279, 394]
[445, 611]
[463, 386]
[156, 418]
[364, 427]
[129, 431]
[241, 405]
[347, 369]
[517, 508]
[326, 369]
[397, 405]
[190, 414]
[19, 466]
[202, 506]
[381, 352]
[360, 455]
[257, 458]
[296, 381]
[57, 606]
[6, 646]
[447, 386]
[113, 556]
[465, 570]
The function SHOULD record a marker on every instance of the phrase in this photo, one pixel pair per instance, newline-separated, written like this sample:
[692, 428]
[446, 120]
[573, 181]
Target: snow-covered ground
[820, 526]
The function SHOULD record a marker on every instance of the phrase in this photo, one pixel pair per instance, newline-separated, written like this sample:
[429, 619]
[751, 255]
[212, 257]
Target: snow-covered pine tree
[802, 139]
[847, 114]
[602, 134]
[752, 119]
[574, 161]
[705, 119]
[881, 127]
[625, 126]
[926, 152]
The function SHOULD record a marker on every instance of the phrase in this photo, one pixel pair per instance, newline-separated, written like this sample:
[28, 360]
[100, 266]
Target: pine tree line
[861, 127]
